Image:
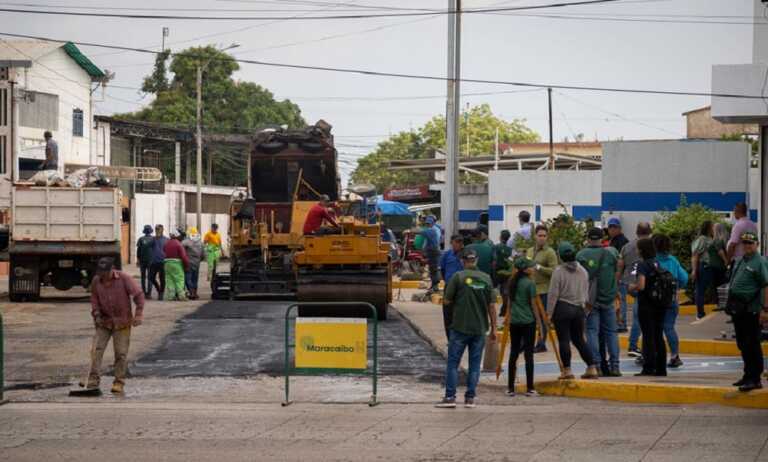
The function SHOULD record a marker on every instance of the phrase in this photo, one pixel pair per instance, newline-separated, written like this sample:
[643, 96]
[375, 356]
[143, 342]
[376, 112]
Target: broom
[85, 391]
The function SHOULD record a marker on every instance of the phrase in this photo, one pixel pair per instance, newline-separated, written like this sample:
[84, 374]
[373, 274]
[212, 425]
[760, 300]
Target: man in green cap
[749, 278]
[470, 293]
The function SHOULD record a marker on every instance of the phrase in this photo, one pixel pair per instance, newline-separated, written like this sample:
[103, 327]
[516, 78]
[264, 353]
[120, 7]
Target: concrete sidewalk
[700, 379]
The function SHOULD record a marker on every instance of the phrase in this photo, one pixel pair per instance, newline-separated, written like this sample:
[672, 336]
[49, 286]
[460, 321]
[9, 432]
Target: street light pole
[450, 201]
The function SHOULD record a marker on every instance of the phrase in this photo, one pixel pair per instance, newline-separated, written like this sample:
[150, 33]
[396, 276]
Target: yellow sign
[331, 343]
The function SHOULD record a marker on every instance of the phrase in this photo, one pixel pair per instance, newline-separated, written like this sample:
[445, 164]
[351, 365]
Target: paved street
[523, 429]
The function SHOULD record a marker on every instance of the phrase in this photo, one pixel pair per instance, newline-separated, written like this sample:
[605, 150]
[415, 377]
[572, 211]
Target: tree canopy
[229, 105]
[479, 122]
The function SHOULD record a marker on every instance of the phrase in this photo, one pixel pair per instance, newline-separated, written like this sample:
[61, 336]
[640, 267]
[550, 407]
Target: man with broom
[111, 294]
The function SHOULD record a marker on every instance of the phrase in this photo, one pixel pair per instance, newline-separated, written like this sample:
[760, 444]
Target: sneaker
[749, 386]
[614, 373]
[634, 353]
[511, 393]
[469, 403]
[531, 393]
[622, 330]
[639, 361]
[700, 316]
[447, 403]
[740, 382]
[540, 349]
[675, 362]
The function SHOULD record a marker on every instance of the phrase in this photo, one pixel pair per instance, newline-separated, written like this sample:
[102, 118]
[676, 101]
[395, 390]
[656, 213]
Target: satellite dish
[364, 190]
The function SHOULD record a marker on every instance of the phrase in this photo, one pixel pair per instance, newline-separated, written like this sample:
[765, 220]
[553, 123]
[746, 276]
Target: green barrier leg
[287, 366]
[374, 401]
[2, 363]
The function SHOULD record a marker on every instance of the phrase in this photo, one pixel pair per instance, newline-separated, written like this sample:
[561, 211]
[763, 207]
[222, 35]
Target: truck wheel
[381, 312]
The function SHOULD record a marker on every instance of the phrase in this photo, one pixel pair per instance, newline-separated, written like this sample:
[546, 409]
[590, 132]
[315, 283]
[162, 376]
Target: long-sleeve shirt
[546, 258]
[174, 249]
[315, 218]
[570, 284]
[194, 249]
[158, 252]
[111, 305]
[450, 264]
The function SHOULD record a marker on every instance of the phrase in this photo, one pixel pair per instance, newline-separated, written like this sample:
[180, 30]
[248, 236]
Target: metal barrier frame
[318, 371]
[2, 362]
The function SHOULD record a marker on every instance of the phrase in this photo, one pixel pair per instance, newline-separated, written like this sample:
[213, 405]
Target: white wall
[58, 74]
[511, 191]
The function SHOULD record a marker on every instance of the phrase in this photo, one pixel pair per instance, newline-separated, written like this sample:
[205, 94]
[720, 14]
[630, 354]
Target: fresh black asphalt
[245, 338]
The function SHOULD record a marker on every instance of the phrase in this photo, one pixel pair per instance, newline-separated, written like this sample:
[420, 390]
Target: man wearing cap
[618, 239]
[470, 293]
[194, 249]
[313, 224]
[450, 264]
[747, 304]
[432, 252]
[176, 264]
[111, 294]
[144, 252]
[212, 242]
[157, 268]
[601, 265]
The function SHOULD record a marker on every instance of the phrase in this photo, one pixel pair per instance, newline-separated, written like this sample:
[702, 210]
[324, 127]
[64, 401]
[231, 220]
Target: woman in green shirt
[707, 263]
[523, 318]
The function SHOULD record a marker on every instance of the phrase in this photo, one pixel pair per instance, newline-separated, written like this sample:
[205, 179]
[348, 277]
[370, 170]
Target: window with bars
[77, 122]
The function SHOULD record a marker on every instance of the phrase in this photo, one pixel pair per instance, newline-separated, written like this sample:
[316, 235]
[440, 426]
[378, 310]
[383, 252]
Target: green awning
[82, 60]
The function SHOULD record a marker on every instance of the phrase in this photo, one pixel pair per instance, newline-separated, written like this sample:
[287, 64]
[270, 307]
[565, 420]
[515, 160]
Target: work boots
[118, 388]
[591, 373]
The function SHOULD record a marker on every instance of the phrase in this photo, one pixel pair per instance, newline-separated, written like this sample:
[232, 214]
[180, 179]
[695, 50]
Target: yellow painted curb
[656, 393]
[406, 284]
[700, 347]
[690, 310]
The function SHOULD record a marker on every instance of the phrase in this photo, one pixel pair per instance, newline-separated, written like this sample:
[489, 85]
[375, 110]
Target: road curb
[406, 284]
[420, 332]
[700, 346]
[690, 310]
[649, 393]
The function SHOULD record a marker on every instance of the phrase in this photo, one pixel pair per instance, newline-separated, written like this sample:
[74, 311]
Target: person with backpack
[707, 259]
[566, 300]
[523, 319]
[601, 264]
[663, 244]
[749, 278]
[470, 293]
[144, 254]
[655, 290]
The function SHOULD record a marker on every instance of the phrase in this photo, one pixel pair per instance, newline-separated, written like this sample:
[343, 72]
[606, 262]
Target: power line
[304, 18]
[416, 76]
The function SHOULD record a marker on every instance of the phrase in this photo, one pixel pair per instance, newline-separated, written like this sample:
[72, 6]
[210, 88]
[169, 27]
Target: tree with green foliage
[421, 144]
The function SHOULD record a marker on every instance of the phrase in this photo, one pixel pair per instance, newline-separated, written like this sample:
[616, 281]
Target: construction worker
[212, 243]
[313, 224]
[111, 293]
[176, 263]
[194, 248]
[144, 252]
[51, 161]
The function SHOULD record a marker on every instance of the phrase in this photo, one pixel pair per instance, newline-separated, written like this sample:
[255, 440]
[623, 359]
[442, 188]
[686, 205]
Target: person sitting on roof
[315, 217]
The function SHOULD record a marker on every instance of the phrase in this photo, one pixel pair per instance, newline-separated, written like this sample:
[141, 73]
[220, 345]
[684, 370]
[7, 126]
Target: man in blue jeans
[629, 257]
[470, 293]
[601, 265]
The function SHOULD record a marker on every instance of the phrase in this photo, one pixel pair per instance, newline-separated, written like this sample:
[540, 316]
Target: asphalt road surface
[245, 338]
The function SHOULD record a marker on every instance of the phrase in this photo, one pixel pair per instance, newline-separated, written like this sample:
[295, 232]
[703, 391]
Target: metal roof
[33, 50]
[522, 161]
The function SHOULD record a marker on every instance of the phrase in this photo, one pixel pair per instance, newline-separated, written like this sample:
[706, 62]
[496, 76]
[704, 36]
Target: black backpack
[661, 288]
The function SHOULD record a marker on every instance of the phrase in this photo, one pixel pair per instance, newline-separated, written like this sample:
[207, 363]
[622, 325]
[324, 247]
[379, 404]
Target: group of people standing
[582, 290]
[172, 265]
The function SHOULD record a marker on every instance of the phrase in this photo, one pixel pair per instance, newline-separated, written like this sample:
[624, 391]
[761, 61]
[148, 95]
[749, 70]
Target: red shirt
[174, 249]
[315, 218]
[113, 304]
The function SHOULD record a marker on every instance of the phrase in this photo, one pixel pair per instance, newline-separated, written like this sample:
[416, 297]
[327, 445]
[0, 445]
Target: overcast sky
[633, 53]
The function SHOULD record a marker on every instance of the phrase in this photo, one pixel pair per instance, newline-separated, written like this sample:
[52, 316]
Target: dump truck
[289, 170]
[57, 236]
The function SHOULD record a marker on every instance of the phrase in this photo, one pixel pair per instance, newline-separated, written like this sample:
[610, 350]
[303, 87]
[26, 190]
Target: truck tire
[25, 286]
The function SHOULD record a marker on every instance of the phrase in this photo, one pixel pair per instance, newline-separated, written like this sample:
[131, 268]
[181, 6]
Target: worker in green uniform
[745, 303]
[545, 261]
[503, 269]
[483, 247]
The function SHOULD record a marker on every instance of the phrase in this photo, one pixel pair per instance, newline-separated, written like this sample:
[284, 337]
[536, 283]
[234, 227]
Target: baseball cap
[147, 229]
[325, 198]
[614, 221]
[566, 251]
[430, 220]
[469, 254]
[595, 234]
[105, 265]
[523, 263]
[749, 237]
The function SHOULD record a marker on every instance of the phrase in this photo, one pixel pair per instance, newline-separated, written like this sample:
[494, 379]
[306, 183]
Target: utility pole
[466, 119]
[496, 155]
[199, 163]
[551, 142]
[450, 199]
